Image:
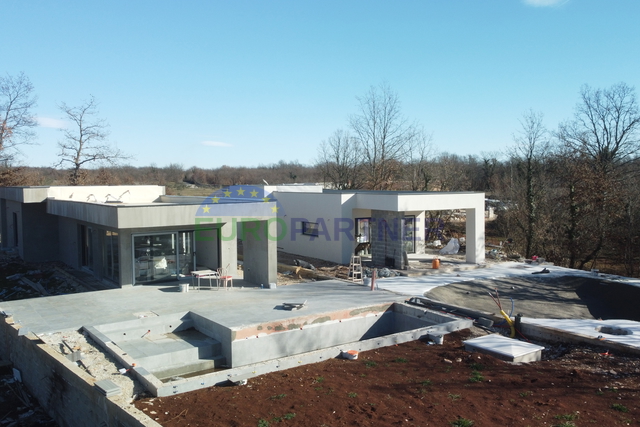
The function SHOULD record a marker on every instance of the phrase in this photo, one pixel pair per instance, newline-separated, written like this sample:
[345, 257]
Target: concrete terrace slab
[234, 308]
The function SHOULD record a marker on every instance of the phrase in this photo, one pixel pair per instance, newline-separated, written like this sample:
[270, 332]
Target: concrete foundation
[174, 342]
[168, 363]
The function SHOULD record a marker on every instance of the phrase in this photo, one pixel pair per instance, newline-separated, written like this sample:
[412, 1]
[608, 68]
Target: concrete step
[202, 366]
[157, 352]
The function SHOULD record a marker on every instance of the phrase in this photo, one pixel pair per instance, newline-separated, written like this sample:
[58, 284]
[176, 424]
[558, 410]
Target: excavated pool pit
[181, 352]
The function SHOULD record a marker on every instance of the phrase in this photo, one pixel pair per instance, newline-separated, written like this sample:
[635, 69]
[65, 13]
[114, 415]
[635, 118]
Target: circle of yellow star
[240, 191]
[206, 209]
[227, 193]
[254, 193]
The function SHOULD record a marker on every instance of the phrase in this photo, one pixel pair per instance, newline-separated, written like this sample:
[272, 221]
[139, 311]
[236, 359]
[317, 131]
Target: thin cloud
[48, 122]
[544, 3]
[216, 144]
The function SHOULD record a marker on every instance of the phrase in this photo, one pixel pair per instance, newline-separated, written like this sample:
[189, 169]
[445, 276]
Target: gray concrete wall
[62, 389]
[220, 333]
[260, 253]
[321, 335]
[154, 214]
[207, 252]
[68, 238]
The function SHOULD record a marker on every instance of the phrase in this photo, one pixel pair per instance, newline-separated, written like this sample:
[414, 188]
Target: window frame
[310, 228]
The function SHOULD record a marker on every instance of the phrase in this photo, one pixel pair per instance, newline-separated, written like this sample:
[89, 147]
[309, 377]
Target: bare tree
[16, 119]
[605, 128]
[418, 169]
[338, 160]
[488, 172]
[600, 143]
[85, 142]
[528, 188]
[451, 173]
[384, 136]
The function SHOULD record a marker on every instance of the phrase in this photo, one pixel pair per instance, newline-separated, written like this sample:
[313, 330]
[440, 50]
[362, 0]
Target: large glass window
[185, 252]
[159, 257]
[111, 253]
[86, 239]
[362, 230]
[409, 234]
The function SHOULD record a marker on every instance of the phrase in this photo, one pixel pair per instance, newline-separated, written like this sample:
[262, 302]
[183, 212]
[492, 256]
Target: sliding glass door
[162, 256]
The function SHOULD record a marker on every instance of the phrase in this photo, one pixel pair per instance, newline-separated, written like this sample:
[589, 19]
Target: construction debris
[303, 264]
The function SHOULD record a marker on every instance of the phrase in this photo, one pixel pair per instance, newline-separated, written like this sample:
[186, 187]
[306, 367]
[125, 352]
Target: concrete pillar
[475, 235]
[260, 252]
[229, 247]
[125, 255]
[420, 233]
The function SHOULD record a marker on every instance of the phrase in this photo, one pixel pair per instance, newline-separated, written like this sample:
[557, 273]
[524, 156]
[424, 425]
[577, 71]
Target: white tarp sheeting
[452, 247]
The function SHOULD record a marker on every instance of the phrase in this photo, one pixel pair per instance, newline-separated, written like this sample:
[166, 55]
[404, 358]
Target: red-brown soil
[416, 384]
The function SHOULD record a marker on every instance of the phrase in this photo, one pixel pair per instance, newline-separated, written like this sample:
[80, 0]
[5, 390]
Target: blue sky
[212, 83]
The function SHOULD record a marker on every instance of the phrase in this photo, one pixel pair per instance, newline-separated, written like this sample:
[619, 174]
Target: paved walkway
[419, 285]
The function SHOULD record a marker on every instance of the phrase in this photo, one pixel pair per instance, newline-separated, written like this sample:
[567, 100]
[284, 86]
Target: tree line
[568, 193]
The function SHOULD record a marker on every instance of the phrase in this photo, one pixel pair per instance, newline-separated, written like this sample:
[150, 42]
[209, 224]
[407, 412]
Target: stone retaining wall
[61, 388]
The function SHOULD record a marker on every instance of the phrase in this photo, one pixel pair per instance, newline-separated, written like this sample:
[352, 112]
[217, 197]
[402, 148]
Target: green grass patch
[401, 360]
[477, 366]
[461, 422]
[278, 396]
[619, 407]
[370, 364]
[567, 417]
[476, 377]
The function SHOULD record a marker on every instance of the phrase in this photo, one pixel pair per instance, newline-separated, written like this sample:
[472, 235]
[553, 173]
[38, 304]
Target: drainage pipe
[510, 322]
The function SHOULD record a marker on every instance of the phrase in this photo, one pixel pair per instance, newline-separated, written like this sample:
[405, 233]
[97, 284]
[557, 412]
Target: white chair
[224, 277]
